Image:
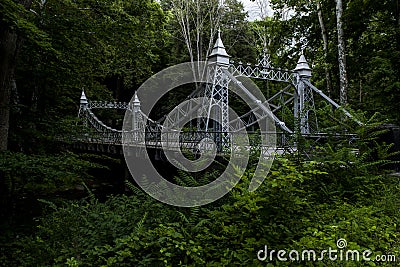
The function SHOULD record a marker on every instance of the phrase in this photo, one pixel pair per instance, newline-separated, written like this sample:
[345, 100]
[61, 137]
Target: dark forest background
[52, 50]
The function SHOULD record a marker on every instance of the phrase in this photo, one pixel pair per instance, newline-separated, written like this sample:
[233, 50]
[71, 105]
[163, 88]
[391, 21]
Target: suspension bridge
[212, 101]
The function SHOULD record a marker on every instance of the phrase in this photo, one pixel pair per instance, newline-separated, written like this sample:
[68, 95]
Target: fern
[200, 224]
[134, 189]
[92, 197]
[187, 179]
[49, 203]
[182, 216]
[194, 215]
[208, 177]
[139, 225]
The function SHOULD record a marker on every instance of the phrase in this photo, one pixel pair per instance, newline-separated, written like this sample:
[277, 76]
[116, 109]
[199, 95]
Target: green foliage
[237, 33]
[109, 48]
[74, 228]
[306, 204]
[372, 42]
[24, 174]
[18, 19]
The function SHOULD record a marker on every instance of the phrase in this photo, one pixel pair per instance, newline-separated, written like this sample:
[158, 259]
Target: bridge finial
[219, 54]
[83, 100]
[302, 68]
[136, 102]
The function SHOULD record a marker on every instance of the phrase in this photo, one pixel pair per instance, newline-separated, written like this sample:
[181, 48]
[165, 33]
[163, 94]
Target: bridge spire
[136, 115]
[83, 107]
[216, 96]
[83, 100]
[136, 103]
[218, 54]
[304, 106]
[302, 68]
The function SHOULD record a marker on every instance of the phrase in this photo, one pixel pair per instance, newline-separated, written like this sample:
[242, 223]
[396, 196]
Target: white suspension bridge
[213, 102]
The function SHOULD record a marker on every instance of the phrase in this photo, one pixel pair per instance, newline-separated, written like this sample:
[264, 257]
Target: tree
[198, 23]
[237, 32]
[49, 51]
[341, 53]
[326, 47]
[107, 48]
[373, 56]
[263, 6]
[12, 18]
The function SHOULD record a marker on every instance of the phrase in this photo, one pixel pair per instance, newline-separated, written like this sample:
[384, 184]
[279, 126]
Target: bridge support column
[304, 107]
[137, 120]
[217, 91]
[83, 105]
[133, 123]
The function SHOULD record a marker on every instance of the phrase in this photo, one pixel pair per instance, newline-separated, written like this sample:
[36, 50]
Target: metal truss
[333, 103]
[302, 98]
[103, 133]
[260, 112]
[109, 105]
[216, 105]
[184, 112]
[212, 110]
[265, 59]
[263, 72]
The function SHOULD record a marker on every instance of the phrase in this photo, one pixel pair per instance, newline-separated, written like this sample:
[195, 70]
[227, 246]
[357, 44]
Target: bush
[301, 205]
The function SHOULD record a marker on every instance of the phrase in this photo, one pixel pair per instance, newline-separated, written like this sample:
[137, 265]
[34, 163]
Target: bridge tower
[136, 115]
[217, 92]
[83, 105]
[137, 123]
[304, 107]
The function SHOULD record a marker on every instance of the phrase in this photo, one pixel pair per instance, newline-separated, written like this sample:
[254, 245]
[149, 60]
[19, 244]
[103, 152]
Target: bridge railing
[263, 73]
[197, 141]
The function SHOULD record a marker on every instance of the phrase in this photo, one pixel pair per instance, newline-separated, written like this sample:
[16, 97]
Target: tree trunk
[325, 40]
[9, 44]
[361, 89]
[341, 54]
[263, 6]
[398, 22]
[192, 17]
[8, 49]
[398, 12]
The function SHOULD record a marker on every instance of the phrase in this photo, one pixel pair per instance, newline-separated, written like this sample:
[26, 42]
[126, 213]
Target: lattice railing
[264, 73]
[108, 105]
